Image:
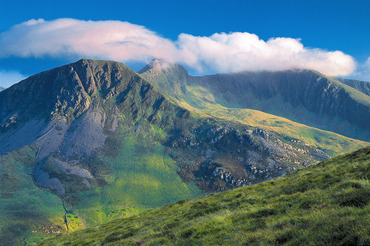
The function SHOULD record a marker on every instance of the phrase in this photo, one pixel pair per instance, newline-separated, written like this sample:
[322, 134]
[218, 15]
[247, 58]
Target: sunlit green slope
[324, 204]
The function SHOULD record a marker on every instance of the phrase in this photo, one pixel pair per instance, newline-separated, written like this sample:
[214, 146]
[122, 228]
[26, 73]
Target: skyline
[204, 36]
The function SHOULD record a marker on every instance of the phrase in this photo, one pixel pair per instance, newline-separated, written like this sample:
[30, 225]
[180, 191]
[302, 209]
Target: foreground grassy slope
[324, 204]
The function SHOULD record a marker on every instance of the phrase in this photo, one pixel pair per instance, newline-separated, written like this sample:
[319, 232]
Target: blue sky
[332, 37]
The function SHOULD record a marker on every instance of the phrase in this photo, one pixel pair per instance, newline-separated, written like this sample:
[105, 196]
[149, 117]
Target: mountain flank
[92, 141]
[302, 96]
[362, 86]
[324, 204]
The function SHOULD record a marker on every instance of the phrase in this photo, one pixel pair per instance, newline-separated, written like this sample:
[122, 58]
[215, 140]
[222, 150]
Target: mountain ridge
[303, 96]
[95, 134]
[362, 86]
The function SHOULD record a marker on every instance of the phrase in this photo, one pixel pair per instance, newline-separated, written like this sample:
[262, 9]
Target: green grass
[356, 94]
[225, 105]
[324, 204]
[27, 214]
[199, 100]
[135, 175]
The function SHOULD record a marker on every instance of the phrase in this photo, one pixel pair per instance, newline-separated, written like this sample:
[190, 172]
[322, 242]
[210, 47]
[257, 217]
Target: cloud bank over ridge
[126, 42]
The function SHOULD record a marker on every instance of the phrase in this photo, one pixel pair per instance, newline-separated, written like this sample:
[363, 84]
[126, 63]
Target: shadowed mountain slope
[362, 86]
[278, 92]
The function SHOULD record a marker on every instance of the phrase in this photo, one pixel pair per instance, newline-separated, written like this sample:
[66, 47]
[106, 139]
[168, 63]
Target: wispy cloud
[123, 41]
[8, 78]
[362, 71]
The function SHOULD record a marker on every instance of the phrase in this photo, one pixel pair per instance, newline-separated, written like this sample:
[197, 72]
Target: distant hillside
[325, 204]
[362, 86]
[303, 96]
[2, 88]
[296, 103]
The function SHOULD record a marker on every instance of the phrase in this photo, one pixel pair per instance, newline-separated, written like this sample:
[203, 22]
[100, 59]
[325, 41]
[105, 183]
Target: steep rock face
[68, 91]
[41, 96]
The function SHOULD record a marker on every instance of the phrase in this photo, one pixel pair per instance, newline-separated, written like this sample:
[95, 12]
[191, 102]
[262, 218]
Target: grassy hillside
[97, 142]
[129, 172]
[362, 86]
[27, 213]
[101, 143]
[324, 204]
[249, 104]
[332, 143]
[303, 96]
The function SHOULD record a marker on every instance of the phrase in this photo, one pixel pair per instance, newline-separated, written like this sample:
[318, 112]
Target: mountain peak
[159, 65]
[169, 77]
[66, 91]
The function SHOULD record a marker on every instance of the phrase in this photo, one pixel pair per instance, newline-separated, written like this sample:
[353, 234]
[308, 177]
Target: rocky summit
[92, 141]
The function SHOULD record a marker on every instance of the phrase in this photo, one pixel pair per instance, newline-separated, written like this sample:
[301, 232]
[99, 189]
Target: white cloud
[244, 51]
[126, 42]
[92, 39]
[362, 72]
[8, 78]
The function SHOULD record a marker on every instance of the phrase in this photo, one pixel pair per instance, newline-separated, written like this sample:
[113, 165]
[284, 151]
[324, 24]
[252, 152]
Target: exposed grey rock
[85, 135]
[71, 169]
[43, 179]
[50, 142]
